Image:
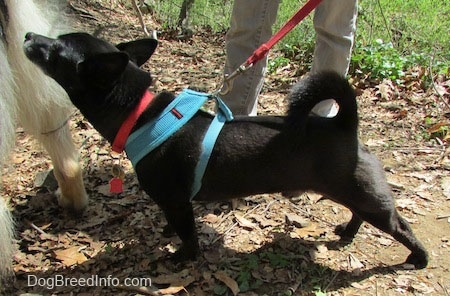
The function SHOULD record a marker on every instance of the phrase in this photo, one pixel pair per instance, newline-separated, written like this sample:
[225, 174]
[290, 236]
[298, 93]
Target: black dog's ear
[103, 69]
[139, 50]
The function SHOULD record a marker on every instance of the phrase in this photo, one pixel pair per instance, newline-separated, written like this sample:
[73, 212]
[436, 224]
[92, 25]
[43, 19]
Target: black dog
[252, 155]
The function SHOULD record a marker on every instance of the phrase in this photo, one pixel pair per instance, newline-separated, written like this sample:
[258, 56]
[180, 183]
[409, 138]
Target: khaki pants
[251, 25]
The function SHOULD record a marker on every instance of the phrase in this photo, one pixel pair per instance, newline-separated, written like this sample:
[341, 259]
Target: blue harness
[171, 119]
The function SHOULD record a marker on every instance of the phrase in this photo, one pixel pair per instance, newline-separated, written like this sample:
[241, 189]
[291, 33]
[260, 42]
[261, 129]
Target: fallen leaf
[311, 230]
[263, 221]
[211, 218]
[228, 281]
[243, 222]
[422, 176]
[171, 290]
[441, 90]
[70, 256]
[354, 263]
[182, 278]
[385, 90]
[296, 220]
[321, 252]
[435, 128]
[406, 203]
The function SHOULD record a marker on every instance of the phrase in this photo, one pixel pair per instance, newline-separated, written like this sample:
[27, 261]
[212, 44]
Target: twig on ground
[332, 280]
[37, 228]
[141, 19]
[444, 216]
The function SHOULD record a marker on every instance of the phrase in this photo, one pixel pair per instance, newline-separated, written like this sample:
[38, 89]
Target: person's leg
[251, 25]
[335, 25]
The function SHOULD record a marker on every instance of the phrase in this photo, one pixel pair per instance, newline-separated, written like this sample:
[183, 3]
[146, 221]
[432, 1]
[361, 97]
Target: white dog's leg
[43, 106]
[6, 238]
[66, 167]
[7, 115]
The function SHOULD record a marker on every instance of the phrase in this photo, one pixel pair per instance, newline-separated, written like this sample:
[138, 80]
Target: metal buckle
[227, 84]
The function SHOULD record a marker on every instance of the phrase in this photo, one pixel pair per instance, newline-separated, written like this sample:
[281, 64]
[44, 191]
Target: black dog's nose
[29, 36]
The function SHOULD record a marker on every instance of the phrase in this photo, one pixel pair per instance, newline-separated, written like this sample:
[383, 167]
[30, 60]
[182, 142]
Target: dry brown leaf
[211, 218]
[385, 90]
[354, 262]
[182, 278]
[228, 281]
[171, 290]
[244, 223]
[441, 90]
[310, 230]
[401, 114]
[296, 220]
[321, 252]
[70, 256]
[263, 221]
[435, 128]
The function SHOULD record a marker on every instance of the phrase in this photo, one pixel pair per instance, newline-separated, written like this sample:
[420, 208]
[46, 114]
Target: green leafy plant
[276, 63]
[276, 259]
[380, 60]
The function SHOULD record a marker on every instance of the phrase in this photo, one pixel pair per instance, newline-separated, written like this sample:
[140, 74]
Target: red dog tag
[115, 185]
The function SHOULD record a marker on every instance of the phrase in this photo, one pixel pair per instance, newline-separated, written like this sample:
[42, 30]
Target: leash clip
[228, 79]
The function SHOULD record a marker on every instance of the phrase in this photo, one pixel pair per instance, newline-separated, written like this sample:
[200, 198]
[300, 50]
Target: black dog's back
[300, 151]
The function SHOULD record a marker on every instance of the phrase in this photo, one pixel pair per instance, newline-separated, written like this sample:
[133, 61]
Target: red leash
[262, 51]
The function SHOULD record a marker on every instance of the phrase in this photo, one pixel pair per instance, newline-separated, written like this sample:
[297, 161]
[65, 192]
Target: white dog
[39, 105]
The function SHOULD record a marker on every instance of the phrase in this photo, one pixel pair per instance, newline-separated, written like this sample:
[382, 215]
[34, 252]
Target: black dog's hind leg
[371, 201]
[369, 198]
[390, 221]
[180, 217]
[403, 233]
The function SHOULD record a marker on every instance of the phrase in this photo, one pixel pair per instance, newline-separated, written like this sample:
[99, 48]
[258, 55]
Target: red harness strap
[126, 127]
[262, 51]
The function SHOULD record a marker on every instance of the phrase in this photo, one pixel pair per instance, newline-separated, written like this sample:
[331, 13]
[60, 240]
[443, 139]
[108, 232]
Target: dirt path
[120, 236]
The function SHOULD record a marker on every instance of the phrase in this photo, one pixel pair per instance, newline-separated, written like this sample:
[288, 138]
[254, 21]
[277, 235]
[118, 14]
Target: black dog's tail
[319, 87]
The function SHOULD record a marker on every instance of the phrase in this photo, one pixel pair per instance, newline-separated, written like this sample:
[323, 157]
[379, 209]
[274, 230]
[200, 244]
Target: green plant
[276, 259]
[245, 279]
[276, 63]
[380, 60]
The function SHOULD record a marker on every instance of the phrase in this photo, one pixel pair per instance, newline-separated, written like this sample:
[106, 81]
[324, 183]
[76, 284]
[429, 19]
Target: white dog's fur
[39, 105]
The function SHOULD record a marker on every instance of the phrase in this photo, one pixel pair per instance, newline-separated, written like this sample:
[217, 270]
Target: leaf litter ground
[266, 245]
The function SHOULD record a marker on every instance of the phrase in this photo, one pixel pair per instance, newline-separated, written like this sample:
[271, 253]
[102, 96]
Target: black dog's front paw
[418, 259]
[347, 231]
[344, 232]
[187, 251]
